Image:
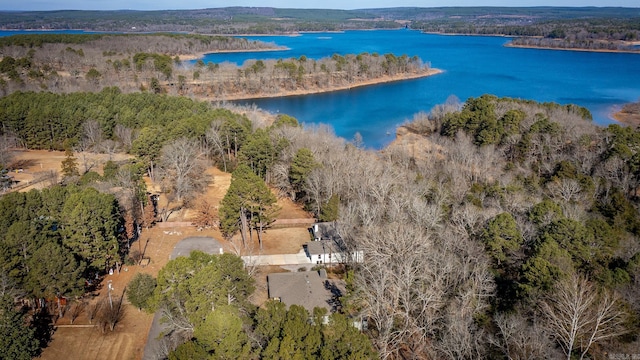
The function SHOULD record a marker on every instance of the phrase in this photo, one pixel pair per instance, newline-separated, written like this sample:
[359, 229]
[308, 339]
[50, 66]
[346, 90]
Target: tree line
[580, 44]
[507, 208]
[599, 33]
[267, 20]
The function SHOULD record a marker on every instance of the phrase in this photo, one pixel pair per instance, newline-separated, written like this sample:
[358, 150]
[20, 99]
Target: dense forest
[493, 228]
[68, 63]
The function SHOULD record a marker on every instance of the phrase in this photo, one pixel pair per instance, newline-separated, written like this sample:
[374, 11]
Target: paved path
[183, 248]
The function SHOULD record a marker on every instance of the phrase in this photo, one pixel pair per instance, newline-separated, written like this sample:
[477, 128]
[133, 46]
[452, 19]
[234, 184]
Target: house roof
[306, 288]
[322, 247]
[326, 231]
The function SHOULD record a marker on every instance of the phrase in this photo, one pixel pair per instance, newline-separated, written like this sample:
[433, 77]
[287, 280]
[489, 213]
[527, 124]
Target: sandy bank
[381, 80]
[627, 118]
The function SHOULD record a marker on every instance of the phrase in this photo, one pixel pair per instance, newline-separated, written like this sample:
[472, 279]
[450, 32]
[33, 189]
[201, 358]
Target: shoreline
[572, 49]
[457, 34]
[626, 118]
[302, 92]
[200, 55]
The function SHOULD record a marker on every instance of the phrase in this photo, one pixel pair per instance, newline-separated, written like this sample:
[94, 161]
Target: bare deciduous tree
[92, 135]
[8, 286]
[125, 135]
[110, 314]
[567, 190]
[76, 309]
[7, 144]
[578, 315]
[421, 288]
[215, 142]
[182, 169]
[93, 309]
[520, 339]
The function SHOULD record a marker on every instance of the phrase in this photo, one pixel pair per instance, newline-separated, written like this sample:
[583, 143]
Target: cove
[473, 65]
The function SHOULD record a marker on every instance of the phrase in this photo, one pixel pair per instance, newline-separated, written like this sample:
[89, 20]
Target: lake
[473, 65]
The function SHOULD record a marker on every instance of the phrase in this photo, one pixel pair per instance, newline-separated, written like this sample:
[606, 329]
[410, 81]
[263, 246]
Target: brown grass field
[82, 341]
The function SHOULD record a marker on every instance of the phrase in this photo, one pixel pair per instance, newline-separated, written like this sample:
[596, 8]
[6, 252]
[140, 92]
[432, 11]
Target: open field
[31, 165]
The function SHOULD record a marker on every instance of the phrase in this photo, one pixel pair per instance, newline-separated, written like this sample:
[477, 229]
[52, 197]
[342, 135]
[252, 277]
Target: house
[328, 246]
[308, 289]
[325, 231]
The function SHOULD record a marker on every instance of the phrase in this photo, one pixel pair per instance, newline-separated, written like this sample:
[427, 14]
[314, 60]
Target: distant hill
[266, 20]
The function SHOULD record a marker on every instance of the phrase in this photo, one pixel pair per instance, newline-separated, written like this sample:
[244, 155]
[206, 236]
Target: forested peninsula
[133, 63]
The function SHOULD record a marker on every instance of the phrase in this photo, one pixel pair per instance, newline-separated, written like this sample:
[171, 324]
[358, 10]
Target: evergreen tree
[329, 211]
[17, 339]
[189, 351]
[248, 202]
[194, 286]
[69, 164]
[301, 166]
[55, 272]
[502, 238]
[258, 153]
[140, 290]
[341, 340]
[223, 335]
[234, 209]
[90, 223]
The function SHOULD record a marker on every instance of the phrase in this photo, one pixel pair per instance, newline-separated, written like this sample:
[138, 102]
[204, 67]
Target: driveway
[183, 248]
[208, 245]
[278, 259]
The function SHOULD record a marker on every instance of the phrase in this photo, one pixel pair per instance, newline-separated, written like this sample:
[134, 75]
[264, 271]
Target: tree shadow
[21, 164]
[336, 294]
[42, 323]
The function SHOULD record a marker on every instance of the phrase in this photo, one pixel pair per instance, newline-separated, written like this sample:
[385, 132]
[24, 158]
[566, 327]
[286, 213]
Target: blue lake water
[473, 65]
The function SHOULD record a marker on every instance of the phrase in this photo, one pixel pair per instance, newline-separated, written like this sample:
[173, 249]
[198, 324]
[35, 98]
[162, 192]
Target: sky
[317, 4]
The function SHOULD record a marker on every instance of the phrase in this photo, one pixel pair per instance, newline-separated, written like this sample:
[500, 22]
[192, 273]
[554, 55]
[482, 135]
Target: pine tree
[248, 202]
[90, 222]
[69, 164]
[329, 211]
[301, 166]
[55, 272]
[140, 290]
[222, 334]
[17, 339]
